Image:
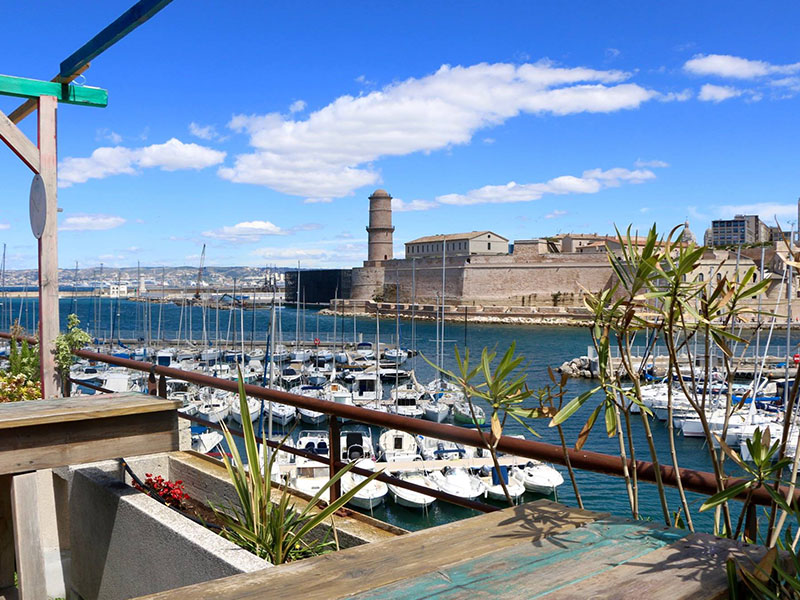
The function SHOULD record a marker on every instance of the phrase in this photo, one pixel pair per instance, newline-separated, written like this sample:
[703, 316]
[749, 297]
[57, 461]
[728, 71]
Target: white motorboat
[463, 415]
[366, 389]
[308, 415]
[206, 442]
[410, 498]
[459, 482]
[322, 356]
[407, 401]
[494, 490]
[395, 445]
[434, 449]
[318, 375]
[300, 355]
[372, 494]
[395, 355]
[365, 350]
[281, 413]
[214, 407]
[209, 355]
[310, 476]
[253, 408]
[356, 444]
[290, 376]
[433, 410]
[165, 356]
[538, 477]
[341, 357]
[281, 354]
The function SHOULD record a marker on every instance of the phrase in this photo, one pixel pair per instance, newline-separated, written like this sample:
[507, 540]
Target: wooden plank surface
[534, 570]
[31, 104]
[60, 410]
[58, 444]
[359, 569]
[693, 567]
[27, 537]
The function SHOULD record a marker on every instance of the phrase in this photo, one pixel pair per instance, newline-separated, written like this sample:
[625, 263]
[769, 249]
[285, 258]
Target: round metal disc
[38, 206]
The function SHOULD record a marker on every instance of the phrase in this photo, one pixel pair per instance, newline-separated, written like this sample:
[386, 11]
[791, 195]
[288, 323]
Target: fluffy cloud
[297, 106]
[590, 182]
[717, 93]
[735, 67]
[555, 214]
[207, 132]
[399, 205]
[248, 231]
[104, 162]
[90, 222]
[330, 153]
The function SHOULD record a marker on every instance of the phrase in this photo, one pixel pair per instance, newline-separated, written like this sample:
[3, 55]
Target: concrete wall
[125, 544]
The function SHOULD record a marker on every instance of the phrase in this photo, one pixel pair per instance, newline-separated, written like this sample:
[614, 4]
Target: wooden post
[27, 537]
[335, 450]
[48, 249]
[6, 534]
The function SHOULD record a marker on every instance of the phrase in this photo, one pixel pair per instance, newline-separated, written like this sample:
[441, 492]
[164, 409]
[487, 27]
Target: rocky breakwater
[579, 367]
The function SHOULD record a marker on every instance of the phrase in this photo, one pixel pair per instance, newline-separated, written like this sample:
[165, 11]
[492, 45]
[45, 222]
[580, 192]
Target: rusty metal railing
[692, 480]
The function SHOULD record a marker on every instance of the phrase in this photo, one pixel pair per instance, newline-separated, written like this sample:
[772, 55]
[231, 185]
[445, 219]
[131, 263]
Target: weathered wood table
[43, 434]
[536, 550]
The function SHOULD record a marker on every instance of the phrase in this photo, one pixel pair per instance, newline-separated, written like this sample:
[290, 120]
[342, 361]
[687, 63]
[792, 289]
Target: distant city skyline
[261, 130]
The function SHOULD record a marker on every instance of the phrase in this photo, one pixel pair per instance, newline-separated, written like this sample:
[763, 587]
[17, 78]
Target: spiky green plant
[276, 531]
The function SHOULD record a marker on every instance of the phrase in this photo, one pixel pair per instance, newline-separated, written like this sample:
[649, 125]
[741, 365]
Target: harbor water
[541, 346]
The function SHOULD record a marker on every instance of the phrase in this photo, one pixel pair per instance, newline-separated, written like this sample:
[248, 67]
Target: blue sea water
[541, 347]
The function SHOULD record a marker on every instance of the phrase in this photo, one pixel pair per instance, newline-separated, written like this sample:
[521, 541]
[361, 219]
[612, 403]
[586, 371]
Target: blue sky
[260, 129]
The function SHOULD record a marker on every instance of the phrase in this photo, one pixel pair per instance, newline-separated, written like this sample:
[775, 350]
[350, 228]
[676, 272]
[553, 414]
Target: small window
[489, 246]
[719, 276]
[700, 277]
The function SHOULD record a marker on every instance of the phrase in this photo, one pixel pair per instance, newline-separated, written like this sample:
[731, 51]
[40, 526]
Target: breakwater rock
[578, 367]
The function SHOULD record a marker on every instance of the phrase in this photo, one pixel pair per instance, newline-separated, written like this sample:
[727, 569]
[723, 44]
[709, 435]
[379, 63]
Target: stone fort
[477, 268]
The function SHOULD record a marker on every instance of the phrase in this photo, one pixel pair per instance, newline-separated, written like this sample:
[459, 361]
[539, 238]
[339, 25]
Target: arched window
[700, 277]
[719, 276]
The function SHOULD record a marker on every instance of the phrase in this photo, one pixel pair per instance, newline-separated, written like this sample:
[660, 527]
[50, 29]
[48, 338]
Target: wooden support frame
[22, 87]
[122, 26]
[27, 107]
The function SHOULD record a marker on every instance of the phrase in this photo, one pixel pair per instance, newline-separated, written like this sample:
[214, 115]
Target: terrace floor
[540, 549]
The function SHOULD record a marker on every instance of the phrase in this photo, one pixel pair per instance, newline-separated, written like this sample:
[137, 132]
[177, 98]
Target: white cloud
[718, 93]
[331, 153]
[207, 132]
[590, 182]
[96, 222]
[317, 200]
[555, 214]
[4, 226]
[399, 205]
[735, 67]
[297, 106]
[248, 231]
[653, 164]
[676, 96]
[104, 162]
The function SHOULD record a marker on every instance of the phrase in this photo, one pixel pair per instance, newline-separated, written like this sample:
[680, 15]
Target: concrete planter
[120, 543]
[124, 544]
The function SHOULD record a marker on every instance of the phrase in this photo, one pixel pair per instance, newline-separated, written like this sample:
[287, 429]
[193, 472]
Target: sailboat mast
[297, 310]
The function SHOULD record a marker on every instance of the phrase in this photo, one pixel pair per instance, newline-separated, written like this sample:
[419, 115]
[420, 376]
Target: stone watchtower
[380, 227]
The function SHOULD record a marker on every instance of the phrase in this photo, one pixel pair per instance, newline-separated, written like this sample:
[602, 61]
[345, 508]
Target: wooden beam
[68, 94]
[27, 107]
[127, 22]
[27, 536]
[19, 143]
[48, 249]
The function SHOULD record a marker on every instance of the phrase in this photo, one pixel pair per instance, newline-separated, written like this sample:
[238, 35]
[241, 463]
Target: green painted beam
[69, 94]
